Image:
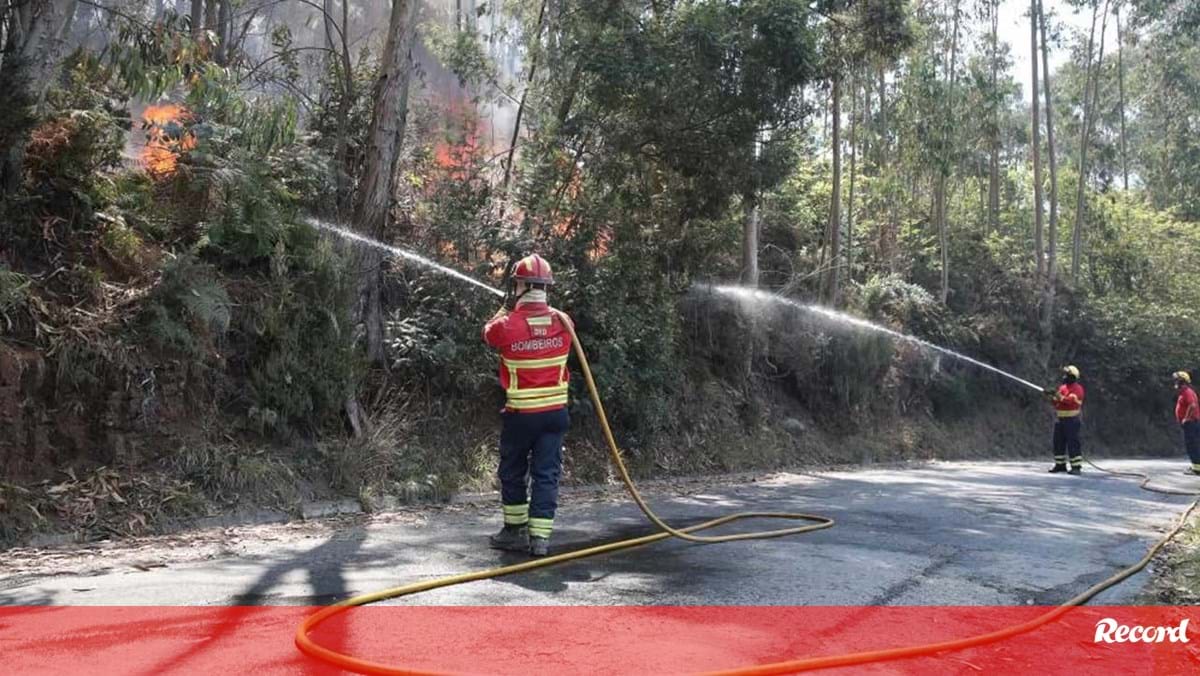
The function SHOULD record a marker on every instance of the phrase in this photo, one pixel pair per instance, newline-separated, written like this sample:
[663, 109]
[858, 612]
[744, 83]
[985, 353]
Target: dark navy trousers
[1067, 441]
[1191, 441]
[531, 460]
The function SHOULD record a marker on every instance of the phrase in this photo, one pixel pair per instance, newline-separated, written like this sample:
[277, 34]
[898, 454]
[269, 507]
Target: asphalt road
[962, 533]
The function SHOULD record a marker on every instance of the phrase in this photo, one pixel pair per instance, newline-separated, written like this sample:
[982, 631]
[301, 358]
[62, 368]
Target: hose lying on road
[1145, 484]
[348, 662]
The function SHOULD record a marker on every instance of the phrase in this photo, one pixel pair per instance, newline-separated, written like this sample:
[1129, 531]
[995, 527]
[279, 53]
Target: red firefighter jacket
[1069, 401]
[534, 345]
[1187, 408]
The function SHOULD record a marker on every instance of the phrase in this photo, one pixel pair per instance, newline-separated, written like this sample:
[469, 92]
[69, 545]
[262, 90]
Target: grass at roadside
[1177, 572]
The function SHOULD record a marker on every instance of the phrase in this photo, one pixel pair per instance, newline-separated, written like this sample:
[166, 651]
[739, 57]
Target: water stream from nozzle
[401, 253]
[756, 296]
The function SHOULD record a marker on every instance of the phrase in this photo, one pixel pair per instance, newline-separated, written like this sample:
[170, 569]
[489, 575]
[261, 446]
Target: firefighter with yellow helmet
[1187, 414]
[534, 342]
[1068, 410]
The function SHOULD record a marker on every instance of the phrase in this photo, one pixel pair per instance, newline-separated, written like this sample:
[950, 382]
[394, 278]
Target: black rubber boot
[1058, 468]
[511, 539]
[539, 546]
[1076, 471]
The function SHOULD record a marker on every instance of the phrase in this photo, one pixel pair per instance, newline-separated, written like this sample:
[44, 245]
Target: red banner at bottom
[591, 640]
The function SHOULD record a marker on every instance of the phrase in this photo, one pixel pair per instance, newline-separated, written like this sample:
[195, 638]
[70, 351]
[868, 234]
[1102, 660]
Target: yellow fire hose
[350, 663]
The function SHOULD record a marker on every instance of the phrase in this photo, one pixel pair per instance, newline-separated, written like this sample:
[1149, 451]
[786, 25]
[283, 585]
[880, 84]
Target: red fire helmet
[533, 269]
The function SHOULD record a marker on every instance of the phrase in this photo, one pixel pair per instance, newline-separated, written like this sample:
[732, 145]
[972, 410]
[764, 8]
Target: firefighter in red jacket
[1187, 413]
[534, 342]
[1068, 407]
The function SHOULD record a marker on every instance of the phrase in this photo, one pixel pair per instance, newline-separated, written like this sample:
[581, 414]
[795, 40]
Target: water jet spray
[402, 253]
[756, 296]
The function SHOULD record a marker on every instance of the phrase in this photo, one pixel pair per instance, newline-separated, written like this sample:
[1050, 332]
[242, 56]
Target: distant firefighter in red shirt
[1068, 409]
[1187, 414]
[534, 343]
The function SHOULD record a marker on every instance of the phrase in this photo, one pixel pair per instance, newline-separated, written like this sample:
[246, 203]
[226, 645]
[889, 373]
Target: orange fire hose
[350, 663]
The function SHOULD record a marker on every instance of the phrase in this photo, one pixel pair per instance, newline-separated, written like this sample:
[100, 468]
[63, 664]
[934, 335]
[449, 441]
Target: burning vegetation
[167, 137]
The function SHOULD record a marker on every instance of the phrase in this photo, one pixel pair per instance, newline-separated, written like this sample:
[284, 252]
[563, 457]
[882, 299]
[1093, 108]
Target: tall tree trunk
[384, 139]
[881, 147]
[224, 32]
[1036, 145]
[944, 168]
[1121, 85]
[329, 28]
[939, 210]
[750, 240]
[850, 196]
[55, 50]
[888, 232]
[1052, 259]
[1089, 114]
[865, 117]
[36, 32]
[749, 279]
[1087, 84]
[348, 95]
[197, 19]
[516, 132]
[993, 216]
[211, 11]
[832, 271]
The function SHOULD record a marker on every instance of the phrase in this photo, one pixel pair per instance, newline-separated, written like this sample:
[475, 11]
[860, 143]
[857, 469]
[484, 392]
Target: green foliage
[132, 195]
[633, 346]
[1129, 348]
[738, 67]
[17, 105]
[890, 297]
[1137, 250]
[229, 119]
[431, 344]
[294, 345]
[151, 60]
[251, 212]
[55, 212]
[14, 299]
[13, 289]
[121, 242]
[461, 50]
[189, 311]
[231, 474]
[952, 397]
[853, 364]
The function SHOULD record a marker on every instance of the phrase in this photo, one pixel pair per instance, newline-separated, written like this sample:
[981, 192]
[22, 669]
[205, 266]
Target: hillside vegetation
[177, 340]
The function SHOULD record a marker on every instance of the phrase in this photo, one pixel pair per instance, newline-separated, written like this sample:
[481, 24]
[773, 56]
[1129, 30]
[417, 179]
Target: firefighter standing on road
[534, 343]
[1068, 405]
[1187, 412]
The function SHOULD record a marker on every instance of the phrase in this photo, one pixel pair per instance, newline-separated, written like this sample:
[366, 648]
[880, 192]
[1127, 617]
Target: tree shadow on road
[324, 566]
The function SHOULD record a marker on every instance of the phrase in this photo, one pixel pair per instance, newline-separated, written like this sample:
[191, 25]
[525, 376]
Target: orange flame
[166, 138]
[461, 150]
[600, 247]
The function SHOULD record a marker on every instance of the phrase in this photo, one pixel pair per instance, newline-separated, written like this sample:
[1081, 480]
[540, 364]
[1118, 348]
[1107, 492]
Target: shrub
[13, 289]
[295, 342]
[189, 311]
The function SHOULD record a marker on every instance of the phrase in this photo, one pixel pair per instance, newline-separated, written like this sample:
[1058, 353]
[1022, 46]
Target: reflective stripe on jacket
[534, 345]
